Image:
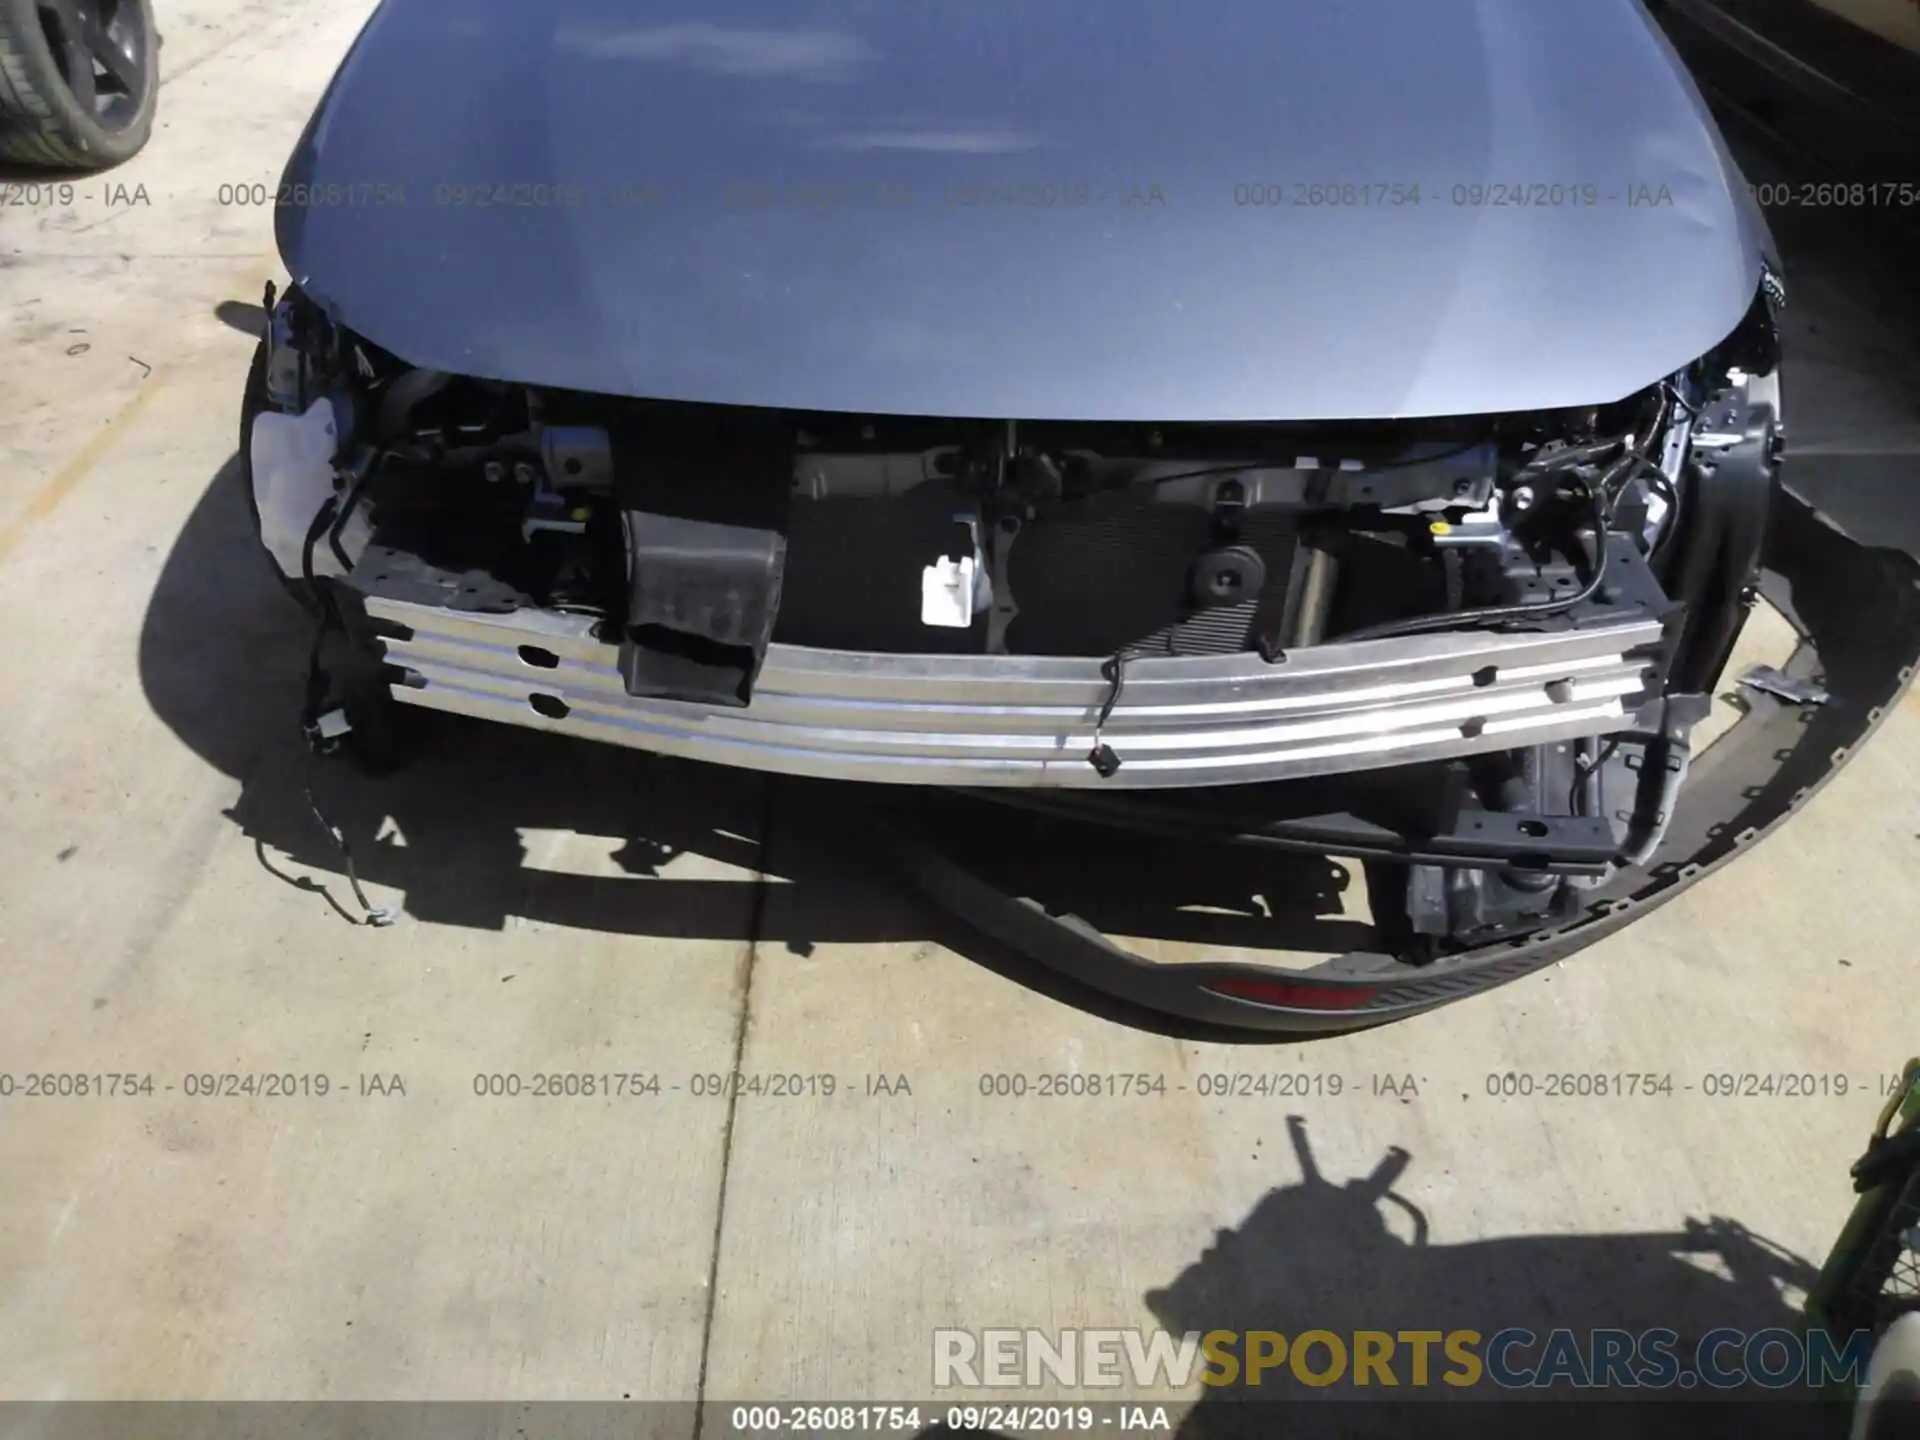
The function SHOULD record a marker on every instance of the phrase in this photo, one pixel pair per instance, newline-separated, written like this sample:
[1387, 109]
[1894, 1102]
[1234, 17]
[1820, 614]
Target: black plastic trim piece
[701, 604]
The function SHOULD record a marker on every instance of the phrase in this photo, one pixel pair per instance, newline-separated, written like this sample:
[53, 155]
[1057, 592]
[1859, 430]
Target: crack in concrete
[755, 926]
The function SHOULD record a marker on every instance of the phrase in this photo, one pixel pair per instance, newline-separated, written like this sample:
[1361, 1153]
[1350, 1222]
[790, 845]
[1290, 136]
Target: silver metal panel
[1083, 209]
[1028, 720]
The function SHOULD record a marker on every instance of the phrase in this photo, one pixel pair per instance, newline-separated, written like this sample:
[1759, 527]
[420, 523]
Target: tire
[251, 404]
[50, 118]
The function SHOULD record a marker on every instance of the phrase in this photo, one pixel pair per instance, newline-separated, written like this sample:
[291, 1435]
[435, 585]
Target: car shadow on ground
[1348, 1254]
[222, 660]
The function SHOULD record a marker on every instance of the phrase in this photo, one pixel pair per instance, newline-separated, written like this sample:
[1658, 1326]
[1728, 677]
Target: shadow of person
[222, 659]
[1359, 1256]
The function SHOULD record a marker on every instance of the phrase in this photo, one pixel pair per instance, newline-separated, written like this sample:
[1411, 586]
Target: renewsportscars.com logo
[1510, 1359]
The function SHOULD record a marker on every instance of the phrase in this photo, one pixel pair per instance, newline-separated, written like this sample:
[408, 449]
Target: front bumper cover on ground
[1857, 612]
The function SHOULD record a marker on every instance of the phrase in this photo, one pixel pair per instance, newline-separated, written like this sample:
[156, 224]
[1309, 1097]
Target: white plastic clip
[946, 593]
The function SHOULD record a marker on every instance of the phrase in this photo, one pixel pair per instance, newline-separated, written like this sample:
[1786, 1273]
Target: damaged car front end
[1442, 588]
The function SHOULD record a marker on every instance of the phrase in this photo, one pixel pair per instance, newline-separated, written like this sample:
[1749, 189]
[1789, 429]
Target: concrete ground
[168, 911]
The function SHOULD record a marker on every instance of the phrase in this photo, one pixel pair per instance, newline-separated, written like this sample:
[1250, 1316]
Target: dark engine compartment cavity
[700, 534]
[1081, 540]
[1066, 541]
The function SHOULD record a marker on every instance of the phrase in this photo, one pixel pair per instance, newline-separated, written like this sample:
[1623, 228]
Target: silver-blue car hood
[1073, 209]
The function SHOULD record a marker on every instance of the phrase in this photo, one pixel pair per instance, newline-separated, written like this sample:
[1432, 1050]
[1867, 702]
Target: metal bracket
[1773, 682]
[1003, 611]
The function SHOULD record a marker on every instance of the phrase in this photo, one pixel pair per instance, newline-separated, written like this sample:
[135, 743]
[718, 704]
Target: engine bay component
[700, 605]
[1227, 576]
[955, 586]
[577, 456]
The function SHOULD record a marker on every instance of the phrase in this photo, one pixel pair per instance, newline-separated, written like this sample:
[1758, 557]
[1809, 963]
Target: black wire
[1102, 756]
[373, 915]
[346, 512]
[329, 614]
[1582, 770]
[1635, 461]
[1662, 485]
[1503, 614]
[1114, 672]
[329, 516]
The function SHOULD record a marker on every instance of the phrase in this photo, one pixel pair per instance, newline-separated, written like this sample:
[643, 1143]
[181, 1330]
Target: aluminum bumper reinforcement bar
[1001, 720]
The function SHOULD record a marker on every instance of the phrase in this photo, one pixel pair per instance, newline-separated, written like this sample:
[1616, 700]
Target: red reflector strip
[1283, 992]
